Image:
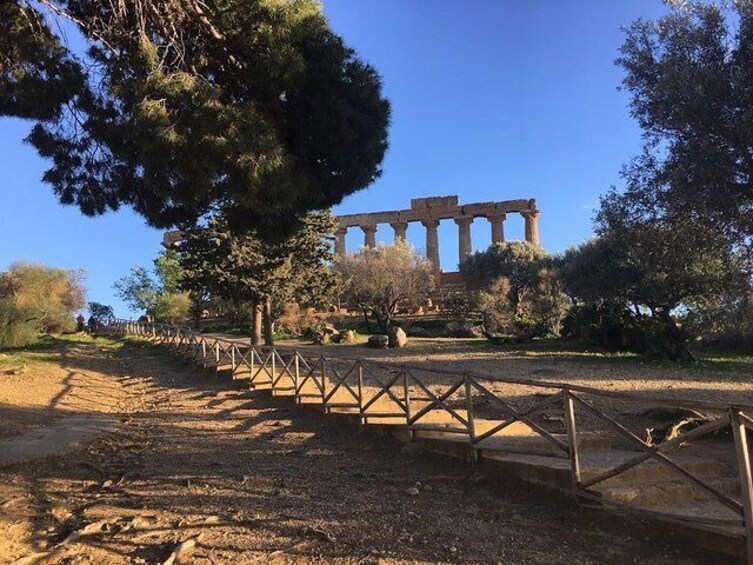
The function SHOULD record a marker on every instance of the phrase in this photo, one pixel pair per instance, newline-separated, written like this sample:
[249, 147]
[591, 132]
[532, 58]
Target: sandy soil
[43, 386]
[254, 479]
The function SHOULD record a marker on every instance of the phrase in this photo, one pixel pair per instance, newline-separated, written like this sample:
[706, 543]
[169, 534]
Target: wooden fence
[466, 406]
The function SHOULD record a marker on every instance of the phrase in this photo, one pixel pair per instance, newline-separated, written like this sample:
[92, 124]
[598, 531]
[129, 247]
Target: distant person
[93, 324]
[80, 323]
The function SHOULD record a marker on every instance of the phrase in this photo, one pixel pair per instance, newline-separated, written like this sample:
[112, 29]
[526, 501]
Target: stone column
[340, 243]
[532, 226]
[498, 227]
[432, 242]
[369, 235]
[400, 229]
[464, 238]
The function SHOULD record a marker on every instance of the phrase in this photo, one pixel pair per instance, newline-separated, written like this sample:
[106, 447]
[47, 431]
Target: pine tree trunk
[268, 337]
[256, 338]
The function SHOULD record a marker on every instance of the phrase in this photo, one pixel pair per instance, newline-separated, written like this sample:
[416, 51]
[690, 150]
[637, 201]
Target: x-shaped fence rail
[427, 400]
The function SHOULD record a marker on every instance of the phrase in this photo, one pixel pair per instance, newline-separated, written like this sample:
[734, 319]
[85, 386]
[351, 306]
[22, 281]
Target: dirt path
[253, 479]
[63, 436]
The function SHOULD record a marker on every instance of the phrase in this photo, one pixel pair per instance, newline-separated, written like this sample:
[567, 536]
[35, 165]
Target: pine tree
[245, 269]
[182, 108]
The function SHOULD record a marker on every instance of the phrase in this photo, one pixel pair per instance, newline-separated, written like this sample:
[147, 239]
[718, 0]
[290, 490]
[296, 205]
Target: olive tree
[643, 279]
[379, 280]
[518, 289]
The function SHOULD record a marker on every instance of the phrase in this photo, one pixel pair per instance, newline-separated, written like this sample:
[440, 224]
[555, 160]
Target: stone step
[728, 539]
[593, 464]
[675, 492]
[310, 400]
[555, 472]
[283, 392]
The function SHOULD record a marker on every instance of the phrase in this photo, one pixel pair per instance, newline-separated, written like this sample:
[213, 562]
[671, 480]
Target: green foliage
[178, 109]
[172, 307]
[218, 263]
[168, 271]
[670, 261]
[137, 289]
[101, 313]
[380, 279]
[690, 74]
[157, 293]
[37, 74]
[725, 320]
[37, 299]
[635, 280]
[17, 326]
[519, 289]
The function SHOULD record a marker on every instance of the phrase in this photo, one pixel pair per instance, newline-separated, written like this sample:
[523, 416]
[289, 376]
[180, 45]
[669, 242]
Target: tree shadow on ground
[281, 477]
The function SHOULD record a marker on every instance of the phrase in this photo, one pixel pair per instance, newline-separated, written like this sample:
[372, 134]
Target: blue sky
[491, 99]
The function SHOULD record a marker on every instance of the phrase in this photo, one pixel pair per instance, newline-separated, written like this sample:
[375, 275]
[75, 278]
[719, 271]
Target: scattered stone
[182, 550]
[349, 336]
[379, 341]
[412, 491]
[327, 334]
[317, 532]
[397, 337]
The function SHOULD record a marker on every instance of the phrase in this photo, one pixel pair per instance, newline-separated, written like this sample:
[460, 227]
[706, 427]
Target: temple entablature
[430, 211]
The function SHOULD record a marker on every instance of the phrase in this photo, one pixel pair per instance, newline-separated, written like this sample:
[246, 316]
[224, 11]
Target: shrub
[296, 321]
[16, 329]
[35, 299]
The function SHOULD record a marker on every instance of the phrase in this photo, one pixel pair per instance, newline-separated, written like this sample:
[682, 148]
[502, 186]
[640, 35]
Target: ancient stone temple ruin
[430, 211]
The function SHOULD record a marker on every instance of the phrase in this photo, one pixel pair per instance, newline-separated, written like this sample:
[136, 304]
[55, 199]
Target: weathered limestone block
[397, 337]
[379, 341]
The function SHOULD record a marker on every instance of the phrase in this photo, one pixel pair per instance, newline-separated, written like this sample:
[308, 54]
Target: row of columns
[432, 237]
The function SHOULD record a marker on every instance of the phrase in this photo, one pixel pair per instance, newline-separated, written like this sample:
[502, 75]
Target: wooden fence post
[297, 374]
[746, 479]
[274, 368]
[324, 382]
[406, 398]
[471, 420]
[362, 419]
[572, 436]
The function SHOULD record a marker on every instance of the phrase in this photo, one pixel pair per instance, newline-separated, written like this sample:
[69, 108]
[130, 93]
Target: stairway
[651, 489]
